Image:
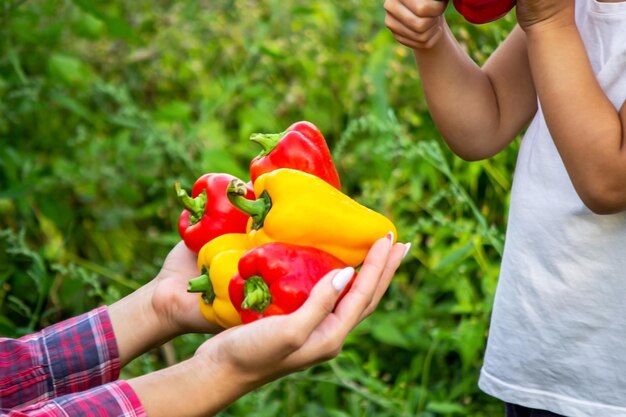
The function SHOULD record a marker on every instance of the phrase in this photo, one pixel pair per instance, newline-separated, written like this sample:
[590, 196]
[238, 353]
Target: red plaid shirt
[68, 369]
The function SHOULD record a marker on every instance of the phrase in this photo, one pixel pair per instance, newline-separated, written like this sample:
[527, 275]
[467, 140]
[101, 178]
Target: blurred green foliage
[104, 105]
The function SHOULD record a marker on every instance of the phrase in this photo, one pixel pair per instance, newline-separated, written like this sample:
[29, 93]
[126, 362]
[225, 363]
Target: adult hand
[242, 358]
[161, 309]
[418, 24]
[274, 346]
[176, 308]
[537, 14]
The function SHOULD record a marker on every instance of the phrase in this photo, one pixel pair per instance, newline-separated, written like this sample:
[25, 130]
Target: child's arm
[586, 128]
[479, 111]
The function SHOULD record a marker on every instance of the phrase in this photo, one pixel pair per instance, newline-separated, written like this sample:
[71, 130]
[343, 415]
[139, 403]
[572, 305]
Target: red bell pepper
[483, 11]
[277, 278]
[208, 213]
[302, 147]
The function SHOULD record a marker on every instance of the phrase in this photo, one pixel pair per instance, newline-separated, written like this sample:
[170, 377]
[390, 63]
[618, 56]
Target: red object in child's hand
[483, 11]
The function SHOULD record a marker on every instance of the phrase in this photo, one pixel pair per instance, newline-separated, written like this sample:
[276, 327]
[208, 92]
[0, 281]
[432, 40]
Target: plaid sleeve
[115, 399]
[68, 357]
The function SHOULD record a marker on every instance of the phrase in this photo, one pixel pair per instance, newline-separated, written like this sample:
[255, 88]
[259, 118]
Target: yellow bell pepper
[217, 260]
[299, 208]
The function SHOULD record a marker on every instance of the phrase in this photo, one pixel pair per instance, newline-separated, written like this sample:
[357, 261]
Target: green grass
[104, 105]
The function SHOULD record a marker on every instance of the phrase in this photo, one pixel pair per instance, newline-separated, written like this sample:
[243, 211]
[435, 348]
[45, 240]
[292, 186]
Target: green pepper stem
[199, 284]
[268, 141]
[257, 294]
[202, 284]
[257, 209]
[195, 206]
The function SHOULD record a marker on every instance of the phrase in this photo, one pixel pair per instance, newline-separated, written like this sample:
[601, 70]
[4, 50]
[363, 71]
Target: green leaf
[470, 337]
[88, 26]
[454, 257]
[174, 111]
[69, 69]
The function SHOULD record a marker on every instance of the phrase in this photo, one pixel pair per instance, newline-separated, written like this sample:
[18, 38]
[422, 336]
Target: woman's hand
[418, 24]
[176, 308]
[242, 358]
[160, 310]
[274, 346]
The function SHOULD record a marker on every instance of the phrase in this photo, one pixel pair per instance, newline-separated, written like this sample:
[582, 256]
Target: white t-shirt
[558, 330]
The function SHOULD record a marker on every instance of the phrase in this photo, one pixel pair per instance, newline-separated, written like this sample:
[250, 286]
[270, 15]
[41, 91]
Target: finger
[409, 42]
[398, 253]
[327, 339]
[181, 253]
[400, 29]
[408, 19]
[360, 295]
[321, 301]
[426, 8]
[318, 335]
[423, 41]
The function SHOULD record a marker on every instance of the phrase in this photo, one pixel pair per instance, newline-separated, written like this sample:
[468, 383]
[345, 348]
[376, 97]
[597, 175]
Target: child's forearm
[479, 111]
[587, 129]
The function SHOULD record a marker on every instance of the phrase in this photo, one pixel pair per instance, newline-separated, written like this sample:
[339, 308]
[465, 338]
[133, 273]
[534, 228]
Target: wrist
[233, 382]
[163, 308]
[559, 21]
[197, 386]
[544, 40]
[439, 46]
[137, 325]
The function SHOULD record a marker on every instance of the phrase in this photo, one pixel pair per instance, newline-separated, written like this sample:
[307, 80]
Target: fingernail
[407, 248]
[342, 278]
[390, 238]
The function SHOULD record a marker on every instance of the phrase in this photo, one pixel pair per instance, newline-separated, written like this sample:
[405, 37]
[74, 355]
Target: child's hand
[418, 24]
[535, 14]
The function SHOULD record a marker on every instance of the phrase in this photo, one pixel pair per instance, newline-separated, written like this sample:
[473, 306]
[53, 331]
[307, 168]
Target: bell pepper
[483, 11]
[302, 146]
[277, 278]
[208, 213]
[217, 262]
[302, 209]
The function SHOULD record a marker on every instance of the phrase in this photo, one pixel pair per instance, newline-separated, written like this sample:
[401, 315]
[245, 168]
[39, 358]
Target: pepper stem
[202, 284]
[195, 206]
[257, 209]
[257, 294]
[268, 141]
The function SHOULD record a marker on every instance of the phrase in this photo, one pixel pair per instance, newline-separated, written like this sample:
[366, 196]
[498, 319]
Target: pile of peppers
[262, 245]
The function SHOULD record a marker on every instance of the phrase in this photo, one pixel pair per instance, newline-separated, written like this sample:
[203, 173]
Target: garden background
[104, 105]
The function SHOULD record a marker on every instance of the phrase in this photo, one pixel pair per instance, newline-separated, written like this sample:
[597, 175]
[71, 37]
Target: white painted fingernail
[342, 278]
[407, 248]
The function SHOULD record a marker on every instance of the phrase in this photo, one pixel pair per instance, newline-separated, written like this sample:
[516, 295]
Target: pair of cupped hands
[419, 24]
[274, 346]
